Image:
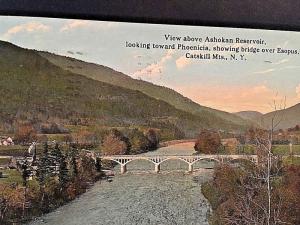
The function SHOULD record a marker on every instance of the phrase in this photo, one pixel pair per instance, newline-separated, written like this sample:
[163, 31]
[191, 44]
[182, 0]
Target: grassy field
[13, 176]
[13, 150]
[291, 160]
[4, 161]
[277, 149]
[17, 150]
[285, 149]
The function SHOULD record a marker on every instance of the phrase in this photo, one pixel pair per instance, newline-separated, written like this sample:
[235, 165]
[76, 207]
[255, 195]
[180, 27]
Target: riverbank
[137, 199]
[141, 198]
[175, 142]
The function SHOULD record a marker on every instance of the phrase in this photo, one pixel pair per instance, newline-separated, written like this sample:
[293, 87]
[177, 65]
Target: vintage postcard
[119, 123]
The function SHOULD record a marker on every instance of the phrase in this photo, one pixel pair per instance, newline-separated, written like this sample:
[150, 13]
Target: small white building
[7, 141]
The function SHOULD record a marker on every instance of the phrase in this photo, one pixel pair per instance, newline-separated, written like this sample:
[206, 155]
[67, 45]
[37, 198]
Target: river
[141, 198]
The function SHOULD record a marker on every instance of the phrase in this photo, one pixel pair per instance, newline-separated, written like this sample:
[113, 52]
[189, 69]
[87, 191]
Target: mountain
[110, 76]
[286, 118]
[33, 88]
[250, 115]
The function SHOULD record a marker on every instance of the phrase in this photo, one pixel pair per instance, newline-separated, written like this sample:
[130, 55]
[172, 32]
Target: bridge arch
[174, 158]
[166, 163]
[113, 160]
[207, 159]
[139, 159]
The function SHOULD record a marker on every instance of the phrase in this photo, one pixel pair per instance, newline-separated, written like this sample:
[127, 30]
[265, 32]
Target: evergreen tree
[60, 166]
[63, 175]
[98, 164]
[55, 158]
[73, 156]
[26, 171]
[44, 170]
[44, 166]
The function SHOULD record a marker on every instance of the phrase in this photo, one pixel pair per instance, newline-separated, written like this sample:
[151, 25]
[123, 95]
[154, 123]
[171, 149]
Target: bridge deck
[189, 159]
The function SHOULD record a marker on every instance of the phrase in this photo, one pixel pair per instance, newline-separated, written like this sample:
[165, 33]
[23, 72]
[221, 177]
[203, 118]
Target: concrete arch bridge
[123, 160]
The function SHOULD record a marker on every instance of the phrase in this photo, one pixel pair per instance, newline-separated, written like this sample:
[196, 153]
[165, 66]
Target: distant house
[6, 141]
[10, 140]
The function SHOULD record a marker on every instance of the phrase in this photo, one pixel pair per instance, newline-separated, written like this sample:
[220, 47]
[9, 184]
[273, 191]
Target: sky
[226, 85]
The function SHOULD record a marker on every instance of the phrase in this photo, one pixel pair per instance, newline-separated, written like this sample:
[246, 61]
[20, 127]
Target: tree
[11, 203]
[73, 155]
[153, 139]
[86, 138]
[98, 165]
[208, 142]
[26, 173]
[44, 171]
[115, 143]
[53, 128]
[259, 201]
[63, 176]
[290, 192]
[25, 134]
[43, 166]
[264, 147]
[138, 141]
[67, 139]
[87, 167]
[59, 161]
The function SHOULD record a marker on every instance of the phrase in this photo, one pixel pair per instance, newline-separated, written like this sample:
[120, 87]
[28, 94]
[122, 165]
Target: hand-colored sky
[225, 85]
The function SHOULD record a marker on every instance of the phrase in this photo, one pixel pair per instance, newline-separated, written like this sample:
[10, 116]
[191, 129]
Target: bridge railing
[123, 160]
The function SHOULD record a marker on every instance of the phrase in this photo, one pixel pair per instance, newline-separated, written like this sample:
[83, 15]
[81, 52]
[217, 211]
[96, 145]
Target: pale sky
[226, 85]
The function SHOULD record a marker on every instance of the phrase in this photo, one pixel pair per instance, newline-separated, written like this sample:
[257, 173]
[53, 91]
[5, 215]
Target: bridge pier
[191, 167]
[123, 168]
[157, 168]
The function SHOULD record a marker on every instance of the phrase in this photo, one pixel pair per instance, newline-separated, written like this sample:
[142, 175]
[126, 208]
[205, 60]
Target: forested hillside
[33, 89]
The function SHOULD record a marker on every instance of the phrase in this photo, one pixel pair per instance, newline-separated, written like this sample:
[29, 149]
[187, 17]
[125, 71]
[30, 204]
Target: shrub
[53, 128]
[153, 139]
[25, 134]
[208, 142]
[115, 143]
[138, 141]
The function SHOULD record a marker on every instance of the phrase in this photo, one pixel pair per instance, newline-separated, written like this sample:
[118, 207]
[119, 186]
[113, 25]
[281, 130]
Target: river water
[142, 198]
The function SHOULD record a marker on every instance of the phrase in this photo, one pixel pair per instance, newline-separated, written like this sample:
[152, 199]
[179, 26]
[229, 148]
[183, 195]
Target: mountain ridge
[34, 89]
[287, 118]
[108, 75]
[249, 114]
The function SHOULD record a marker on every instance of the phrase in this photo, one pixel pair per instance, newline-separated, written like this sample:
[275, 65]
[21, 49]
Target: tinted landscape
[81, 142]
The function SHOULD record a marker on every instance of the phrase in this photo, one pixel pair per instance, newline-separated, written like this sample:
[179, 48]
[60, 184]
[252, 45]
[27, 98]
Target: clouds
[79, 24]
[281, 61]
[298, 91]
[40, 26]
[228, 85]
[154, 70]
[265, 71]
[74, 24]
[231, 98]
[182, 62]
[276, 67]
[29, 27]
